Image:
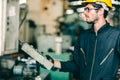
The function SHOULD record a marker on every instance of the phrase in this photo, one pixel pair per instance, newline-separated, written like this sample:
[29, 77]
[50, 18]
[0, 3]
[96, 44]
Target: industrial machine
[18, 68]
[9, 26]
[13, 66]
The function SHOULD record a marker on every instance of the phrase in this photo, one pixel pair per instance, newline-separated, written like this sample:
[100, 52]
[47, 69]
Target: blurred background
[51, 27]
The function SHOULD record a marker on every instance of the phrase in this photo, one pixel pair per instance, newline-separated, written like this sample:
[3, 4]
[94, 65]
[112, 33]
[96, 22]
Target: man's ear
[101, 11]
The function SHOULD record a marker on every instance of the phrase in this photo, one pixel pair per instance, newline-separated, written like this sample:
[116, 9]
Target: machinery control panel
[36, 55]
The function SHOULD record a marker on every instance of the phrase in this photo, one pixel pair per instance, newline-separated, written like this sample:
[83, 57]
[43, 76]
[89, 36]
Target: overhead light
[80, 10]
[76, 3]
[22, 1]
[69, 11]
[115, 2]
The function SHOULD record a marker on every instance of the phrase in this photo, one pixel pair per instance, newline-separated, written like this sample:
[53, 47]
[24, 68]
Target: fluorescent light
[80, 9]
[22, 1]
[76, 3]
[69, 11]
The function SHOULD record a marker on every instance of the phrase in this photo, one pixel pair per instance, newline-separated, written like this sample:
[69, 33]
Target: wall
[45, 12]
[3, 4]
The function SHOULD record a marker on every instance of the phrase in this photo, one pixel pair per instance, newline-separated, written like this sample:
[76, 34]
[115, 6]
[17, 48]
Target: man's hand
[50, 58]
[56, 63]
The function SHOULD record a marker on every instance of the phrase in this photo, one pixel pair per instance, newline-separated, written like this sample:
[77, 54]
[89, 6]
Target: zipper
[93, 61]
[84, 56]
[110, 52]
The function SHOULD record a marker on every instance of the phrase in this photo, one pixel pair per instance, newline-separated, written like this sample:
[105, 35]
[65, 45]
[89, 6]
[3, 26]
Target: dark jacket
[96, 56]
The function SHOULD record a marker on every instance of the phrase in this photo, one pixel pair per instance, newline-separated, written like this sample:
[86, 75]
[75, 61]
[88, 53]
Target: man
[97, 52]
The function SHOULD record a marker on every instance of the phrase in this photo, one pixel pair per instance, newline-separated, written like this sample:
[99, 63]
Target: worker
[97, 51]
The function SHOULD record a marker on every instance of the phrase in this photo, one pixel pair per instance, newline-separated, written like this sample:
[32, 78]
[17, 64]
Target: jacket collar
[102, 29]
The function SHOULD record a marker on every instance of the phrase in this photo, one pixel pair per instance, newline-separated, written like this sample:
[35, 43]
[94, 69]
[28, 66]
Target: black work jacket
[96, 56]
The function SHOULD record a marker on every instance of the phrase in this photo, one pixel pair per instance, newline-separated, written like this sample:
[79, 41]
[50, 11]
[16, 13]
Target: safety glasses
[89, 9]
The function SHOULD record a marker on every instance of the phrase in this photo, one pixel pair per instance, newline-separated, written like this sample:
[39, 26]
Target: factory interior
[41, 27]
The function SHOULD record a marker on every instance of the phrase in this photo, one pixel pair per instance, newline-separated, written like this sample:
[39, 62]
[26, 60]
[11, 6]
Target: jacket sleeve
[72, 66]
[118, 44]
[68, 66]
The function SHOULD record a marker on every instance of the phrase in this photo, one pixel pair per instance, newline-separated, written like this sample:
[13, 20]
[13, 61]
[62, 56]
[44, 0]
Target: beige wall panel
[45, 12]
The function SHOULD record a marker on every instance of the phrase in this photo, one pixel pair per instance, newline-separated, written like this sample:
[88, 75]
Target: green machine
[57, 75]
